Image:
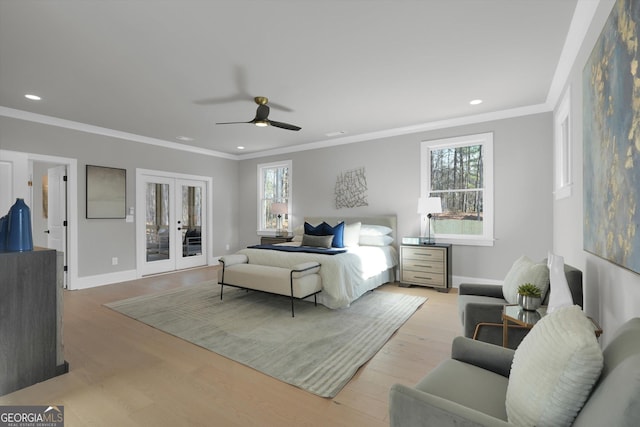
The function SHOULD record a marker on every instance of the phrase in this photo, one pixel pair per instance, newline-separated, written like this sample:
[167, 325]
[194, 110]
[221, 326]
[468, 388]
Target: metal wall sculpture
[351, 189]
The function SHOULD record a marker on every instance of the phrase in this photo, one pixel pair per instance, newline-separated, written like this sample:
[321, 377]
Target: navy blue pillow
[338, 234]
[325, 229]
[318, 230]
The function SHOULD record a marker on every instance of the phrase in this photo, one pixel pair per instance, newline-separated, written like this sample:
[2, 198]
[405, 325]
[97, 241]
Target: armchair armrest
[481, 313]
[415, 408]
[484, 290]
[483, 355]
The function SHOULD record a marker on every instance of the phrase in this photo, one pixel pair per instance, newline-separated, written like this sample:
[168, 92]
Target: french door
[172, 223]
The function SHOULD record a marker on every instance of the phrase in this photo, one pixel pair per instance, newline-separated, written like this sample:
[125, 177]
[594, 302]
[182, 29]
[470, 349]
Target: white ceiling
[167, 68]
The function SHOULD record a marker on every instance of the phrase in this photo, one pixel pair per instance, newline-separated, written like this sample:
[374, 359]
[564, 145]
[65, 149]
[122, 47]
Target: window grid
[459, 170]
[274, 184]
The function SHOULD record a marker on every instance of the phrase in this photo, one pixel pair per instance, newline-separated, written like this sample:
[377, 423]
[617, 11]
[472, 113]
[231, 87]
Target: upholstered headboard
[386, 220]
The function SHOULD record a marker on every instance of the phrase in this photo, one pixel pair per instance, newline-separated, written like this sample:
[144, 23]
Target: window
[460, 171]
[274, 187]
[562, 130]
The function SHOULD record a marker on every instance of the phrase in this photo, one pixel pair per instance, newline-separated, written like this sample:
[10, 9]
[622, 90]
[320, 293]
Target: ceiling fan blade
[233, 123]
[280, 107]
[284, 125]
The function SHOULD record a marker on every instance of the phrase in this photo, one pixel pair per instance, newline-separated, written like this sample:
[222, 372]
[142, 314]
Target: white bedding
[345, 277]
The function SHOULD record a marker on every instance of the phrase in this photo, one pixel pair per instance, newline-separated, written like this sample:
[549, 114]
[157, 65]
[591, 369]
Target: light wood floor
[124, 373]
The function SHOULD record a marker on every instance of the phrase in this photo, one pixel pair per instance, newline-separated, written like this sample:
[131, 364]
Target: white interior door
[172, 223]
[14, 179]
[57, 213]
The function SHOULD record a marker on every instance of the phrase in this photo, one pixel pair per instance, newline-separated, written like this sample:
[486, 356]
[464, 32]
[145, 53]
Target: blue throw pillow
[318, 230]
[337, 232]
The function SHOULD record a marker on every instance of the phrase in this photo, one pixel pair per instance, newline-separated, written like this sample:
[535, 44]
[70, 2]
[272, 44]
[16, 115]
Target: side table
[514, 316]
[274, 240]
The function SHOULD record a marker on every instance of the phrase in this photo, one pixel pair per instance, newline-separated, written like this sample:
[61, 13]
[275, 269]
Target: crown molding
[582, 18]
[441, 124]
[83, 127]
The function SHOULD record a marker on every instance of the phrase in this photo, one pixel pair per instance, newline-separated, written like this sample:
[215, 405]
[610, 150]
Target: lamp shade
[279, 208]
[427, 205]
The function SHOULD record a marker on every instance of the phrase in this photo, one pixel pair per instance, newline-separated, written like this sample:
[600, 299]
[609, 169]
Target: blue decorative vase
[3, 233]
[19, 237]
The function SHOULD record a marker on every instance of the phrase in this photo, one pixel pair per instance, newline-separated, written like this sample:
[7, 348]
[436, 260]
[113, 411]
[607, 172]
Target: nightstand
[426, 265]
[274, 240]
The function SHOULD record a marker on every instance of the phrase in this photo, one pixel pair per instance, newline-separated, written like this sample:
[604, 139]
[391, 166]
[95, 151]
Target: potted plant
[529, 296]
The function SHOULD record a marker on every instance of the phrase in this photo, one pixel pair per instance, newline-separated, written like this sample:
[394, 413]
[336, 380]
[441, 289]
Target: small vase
[529, 303]
[19, 237]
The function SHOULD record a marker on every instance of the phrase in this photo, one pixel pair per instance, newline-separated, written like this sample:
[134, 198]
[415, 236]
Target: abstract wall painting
[611, 129]
[351, 189]
[106, 192]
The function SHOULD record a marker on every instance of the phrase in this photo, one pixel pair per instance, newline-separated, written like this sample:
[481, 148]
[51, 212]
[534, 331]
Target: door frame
[22, 163]
[141, 219]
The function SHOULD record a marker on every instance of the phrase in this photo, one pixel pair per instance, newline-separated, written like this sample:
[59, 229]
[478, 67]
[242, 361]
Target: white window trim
[284, 163]
[563, 181]
[485, 139]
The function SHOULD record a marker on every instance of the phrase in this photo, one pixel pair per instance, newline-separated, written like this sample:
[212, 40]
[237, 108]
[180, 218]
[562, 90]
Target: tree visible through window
[456, 170]
[274, 184]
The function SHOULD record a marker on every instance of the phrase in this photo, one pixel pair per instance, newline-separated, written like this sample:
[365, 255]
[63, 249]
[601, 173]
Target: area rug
[318, 350]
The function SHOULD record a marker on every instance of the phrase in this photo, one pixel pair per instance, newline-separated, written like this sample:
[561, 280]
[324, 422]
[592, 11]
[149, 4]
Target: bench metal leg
[291, 283]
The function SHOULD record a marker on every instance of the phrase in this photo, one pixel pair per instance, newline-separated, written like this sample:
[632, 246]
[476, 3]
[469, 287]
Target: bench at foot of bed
[300, 282]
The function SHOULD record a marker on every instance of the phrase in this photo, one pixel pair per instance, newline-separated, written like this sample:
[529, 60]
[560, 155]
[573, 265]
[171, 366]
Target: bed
[349, 274]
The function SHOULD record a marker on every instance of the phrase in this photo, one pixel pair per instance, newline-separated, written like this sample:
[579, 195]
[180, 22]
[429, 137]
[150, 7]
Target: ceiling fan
[262, 116]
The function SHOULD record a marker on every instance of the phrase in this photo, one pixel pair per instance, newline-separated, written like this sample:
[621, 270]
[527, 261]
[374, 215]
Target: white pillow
[553, 370]
[375, 240]
[524, 271]
[374, 230]
[352, 234]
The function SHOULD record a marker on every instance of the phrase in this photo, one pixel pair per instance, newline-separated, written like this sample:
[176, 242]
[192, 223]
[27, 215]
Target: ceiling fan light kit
[262, 117]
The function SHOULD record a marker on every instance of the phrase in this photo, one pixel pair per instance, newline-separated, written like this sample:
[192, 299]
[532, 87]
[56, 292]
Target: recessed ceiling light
[240, 147]
[337, 133]
[32, 97]
[476, 102]
[184, 138]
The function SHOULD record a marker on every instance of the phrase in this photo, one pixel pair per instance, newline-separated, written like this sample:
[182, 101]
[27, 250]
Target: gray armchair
[470, 388]
[480, 309]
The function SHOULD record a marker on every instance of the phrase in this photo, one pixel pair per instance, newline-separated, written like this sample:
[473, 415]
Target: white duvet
[345, 277]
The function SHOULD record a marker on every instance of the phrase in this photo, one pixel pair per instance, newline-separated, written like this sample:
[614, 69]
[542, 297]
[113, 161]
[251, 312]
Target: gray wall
[612, 294]
[101, 239]
[522, 175]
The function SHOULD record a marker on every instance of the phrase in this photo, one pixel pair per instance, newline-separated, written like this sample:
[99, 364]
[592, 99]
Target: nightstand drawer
[423, 266]
[423, 278]
[426, 265]
[420, 253]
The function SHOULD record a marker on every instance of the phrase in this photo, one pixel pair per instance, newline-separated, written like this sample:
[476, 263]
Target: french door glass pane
[157, 222]
[191, 221]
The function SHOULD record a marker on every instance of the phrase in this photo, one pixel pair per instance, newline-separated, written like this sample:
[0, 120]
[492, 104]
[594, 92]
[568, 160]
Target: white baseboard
[103, 279]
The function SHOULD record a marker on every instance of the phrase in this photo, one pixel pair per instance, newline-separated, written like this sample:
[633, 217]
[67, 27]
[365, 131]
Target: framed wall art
[106, 192]
[611, 131]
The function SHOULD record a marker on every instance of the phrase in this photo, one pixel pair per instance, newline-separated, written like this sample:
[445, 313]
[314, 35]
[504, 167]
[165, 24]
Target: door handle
[47, 231]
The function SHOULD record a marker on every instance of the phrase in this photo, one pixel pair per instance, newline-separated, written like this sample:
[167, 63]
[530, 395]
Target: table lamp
[429, 206]
[279, 209]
